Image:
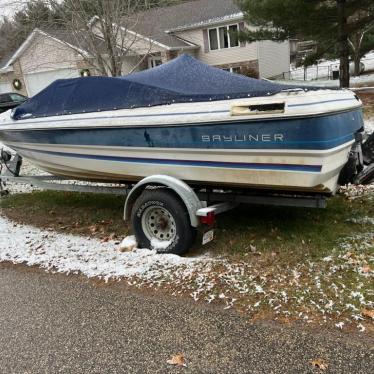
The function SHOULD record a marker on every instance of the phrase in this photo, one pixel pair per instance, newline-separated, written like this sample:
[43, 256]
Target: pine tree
[330, 23]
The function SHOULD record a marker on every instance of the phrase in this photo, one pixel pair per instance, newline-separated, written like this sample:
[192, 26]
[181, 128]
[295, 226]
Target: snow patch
[73, 254]
[128, 244]
[369, 125]
[160, 244]
[362, 220]
[325, 67]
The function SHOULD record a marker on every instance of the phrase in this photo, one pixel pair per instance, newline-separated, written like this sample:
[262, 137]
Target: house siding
[7, 79]
[45, 54]
[274, 58]
[221, 56]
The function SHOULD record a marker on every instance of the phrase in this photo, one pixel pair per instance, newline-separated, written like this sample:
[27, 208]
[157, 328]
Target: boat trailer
[162, 208]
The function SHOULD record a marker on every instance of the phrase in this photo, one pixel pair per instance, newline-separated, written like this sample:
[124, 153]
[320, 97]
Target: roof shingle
[156, 23]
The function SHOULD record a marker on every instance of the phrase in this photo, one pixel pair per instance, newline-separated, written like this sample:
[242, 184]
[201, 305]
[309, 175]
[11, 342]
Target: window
[213, 40]
[235, 70]
[223, 37]
[4, 98]
[154, 61]
[17, 98]
[233, 32]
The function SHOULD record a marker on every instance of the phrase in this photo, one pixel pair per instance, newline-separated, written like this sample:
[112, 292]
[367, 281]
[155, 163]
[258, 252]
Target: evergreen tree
[330, 23]
[13, 32]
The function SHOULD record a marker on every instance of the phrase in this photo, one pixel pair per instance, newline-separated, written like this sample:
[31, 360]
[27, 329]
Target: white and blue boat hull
[303, 148]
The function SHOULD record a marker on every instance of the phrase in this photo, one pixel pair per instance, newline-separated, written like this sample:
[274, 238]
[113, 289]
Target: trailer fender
[183, 190]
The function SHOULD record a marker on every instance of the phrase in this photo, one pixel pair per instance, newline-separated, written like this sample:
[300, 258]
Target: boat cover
[181, 80]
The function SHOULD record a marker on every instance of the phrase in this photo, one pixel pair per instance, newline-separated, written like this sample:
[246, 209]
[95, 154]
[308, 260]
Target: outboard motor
[359, 168]
[355, 163]
[368, 150]
[367, 175]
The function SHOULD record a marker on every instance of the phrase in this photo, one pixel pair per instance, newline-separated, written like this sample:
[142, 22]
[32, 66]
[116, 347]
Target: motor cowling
[368, 150]
[355, 163]
[359, 168]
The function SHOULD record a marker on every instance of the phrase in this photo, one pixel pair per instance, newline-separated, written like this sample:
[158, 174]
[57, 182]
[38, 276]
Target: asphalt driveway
[52, 323]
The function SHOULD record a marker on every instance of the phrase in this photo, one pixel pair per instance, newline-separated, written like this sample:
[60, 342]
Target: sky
[8, 7]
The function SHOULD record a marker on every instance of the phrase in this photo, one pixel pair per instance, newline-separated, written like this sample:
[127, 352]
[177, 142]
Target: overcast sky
[8, 7]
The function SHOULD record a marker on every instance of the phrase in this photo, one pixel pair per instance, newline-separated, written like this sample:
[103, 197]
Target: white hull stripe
[218, 164]
[25, 122]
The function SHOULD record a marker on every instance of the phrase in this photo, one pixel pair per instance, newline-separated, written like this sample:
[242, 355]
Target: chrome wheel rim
[157, 222]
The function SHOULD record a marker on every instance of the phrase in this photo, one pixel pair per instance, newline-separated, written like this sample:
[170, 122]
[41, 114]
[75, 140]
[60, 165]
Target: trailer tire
[161, 215]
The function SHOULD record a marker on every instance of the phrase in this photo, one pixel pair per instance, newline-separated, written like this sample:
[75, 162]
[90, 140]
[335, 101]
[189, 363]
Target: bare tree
[103, 31]
[356, 38]
[19, 19]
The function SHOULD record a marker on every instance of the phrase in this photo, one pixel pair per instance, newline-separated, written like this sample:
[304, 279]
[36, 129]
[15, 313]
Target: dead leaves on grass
[369, 313]
[366, 269]
[177, 360]
[318, 363]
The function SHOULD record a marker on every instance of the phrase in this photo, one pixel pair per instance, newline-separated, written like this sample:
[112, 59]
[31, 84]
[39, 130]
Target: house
[40, 60]
[205, 29]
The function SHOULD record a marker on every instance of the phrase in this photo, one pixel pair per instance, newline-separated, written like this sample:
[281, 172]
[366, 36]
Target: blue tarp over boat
[183, 79]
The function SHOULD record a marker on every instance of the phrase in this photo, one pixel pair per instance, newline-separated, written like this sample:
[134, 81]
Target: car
[10, 100]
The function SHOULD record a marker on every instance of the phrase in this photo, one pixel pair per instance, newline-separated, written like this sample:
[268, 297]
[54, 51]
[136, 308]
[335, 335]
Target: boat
[191, 121]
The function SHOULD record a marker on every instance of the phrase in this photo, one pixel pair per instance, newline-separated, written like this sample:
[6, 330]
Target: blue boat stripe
[221, 164]
[320, 102]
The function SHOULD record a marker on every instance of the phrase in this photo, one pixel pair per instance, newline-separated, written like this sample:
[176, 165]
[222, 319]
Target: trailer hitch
[11, 162]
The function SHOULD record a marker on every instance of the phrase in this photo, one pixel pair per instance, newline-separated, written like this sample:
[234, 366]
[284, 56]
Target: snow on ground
[329, 83]
[72, 254]
[369, 125]
[325, 68]
[354, 191]
[302, 291]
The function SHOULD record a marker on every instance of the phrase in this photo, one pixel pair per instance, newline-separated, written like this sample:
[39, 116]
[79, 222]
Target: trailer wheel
[158, 216]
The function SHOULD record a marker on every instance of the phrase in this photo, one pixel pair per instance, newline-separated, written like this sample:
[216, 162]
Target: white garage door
[35, 82]
[5, 87]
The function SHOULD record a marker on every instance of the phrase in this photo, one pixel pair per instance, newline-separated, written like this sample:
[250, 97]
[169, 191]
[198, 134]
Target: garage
[35, 82]
[5, 87]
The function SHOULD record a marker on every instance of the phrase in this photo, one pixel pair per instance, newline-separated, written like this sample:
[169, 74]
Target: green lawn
[314, 265]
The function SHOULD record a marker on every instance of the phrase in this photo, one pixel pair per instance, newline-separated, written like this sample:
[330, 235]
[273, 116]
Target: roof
[159, 23]
[65, 37]
[74, 40]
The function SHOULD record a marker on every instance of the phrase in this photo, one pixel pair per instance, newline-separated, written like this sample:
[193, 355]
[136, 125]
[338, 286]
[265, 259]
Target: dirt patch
[367, 98]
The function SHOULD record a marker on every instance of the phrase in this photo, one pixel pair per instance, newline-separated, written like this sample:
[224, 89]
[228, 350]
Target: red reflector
[208, 219]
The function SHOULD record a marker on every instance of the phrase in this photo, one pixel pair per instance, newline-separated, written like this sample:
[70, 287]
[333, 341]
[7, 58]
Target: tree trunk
[357, 61]
[343, 44]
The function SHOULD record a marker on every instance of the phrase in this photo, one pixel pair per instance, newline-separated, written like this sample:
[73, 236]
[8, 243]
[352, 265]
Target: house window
[235, 70]
[223, 37]
[213, 40]
[154, 61]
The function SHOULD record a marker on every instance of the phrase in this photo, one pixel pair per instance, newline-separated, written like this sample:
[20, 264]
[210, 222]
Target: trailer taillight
[209, 219]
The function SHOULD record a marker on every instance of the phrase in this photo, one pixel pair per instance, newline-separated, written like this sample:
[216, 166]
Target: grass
[291, 233]
[96, 215]
[271, 262]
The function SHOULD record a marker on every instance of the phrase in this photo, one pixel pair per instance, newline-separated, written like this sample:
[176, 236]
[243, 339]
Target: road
[53, 323]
